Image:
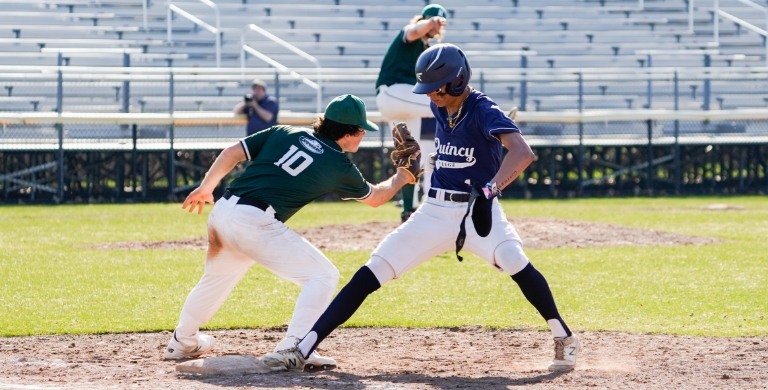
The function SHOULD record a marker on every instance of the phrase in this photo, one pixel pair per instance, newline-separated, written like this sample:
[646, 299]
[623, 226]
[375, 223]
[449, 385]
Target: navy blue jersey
[471, 150]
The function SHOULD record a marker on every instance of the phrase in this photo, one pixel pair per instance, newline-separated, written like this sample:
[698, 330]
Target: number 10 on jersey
[291, 158]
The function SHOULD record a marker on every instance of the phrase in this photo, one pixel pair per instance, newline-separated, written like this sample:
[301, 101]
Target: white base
[224, 365]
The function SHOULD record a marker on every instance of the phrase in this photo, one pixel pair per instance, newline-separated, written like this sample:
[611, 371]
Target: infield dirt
[536, 232]
[396, 358]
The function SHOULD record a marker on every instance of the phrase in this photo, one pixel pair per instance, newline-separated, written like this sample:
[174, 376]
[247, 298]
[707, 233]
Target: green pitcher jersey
[292, 167]
[399, 64]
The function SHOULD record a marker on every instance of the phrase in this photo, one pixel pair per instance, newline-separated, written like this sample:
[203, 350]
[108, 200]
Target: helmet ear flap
[456, 90]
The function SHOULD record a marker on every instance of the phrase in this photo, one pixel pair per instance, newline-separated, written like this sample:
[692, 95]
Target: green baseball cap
[349, 110]
[434, 10]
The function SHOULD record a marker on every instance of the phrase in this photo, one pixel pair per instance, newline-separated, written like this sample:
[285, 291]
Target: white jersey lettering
[451, 150]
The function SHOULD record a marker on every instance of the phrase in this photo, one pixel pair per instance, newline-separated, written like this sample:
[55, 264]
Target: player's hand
[198, 197]
[436, 22]
[491, 191]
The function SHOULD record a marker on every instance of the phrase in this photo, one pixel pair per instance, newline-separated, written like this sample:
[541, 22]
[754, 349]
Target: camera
[248, 97]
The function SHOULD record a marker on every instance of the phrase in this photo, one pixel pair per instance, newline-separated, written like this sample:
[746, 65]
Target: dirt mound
[420, 358]
[537, 233]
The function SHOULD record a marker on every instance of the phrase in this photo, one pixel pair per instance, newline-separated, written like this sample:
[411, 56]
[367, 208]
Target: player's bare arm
[518, 158]
[381, 193]
[427, 27]
[224, 164]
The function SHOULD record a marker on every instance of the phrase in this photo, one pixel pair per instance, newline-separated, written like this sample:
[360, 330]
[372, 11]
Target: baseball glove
[412, 165]
[405, 144]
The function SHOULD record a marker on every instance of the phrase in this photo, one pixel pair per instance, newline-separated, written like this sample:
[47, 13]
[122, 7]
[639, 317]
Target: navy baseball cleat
[176, 350]
[566, 351]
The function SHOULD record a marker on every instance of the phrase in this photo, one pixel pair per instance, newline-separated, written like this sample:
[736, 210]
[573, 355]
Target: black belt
[450, 196]
[259, 204]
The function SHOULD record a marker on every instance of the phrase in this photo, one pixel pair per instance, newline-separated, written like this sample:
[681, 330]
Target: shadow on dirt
[337, 380]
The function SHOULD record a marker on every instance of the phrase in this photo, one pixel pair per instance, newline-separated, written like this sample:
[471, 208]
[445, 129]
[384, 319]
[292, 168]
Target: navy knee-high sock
[342, 307]
[536, 290]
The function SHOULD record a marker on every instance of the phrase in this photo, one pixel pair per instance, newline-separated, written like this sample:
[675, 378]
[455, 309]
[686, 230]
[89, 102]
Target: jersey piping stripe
[370, 190]
[504, 128]
[245, 148]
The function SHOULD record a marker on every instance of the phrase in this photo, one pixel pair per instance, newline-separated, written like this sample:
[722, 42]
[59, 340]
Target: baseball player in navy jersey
[290, 168]
[471, 131]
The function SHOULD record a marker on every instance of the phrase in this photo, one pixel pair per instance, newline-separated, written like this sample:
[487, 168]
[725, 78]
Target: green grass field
[48, 284]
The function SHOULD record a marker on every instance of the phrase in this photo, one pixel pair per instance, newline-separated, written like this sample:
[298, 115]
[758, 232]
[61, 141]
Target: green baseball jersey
[399, 64]
[292, 167]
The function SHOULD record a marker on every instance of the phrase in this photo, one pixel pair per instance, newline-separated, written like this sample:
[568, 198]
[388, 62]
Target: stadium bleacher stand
[557, 57]
[559, 34]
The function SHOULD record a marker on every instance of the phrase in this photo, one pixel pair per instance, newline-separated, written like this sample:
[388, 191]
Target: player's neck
[453, 106]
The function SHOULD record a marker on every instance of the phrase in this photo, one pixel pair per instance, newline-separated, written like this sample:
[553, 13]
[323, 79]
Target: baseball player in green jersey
[290, 168]
[397, 77]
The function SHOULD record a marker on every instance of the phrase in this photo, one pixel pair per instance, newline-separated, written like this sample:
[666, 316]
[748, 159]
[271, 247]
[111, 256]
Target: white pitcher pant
[240, 236]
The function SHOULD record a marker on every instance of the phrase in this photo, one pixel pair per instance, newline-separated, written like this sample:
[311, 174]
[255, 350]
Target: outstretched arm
[381, 193]
[224, 164]
[422, 27]
[518, 158]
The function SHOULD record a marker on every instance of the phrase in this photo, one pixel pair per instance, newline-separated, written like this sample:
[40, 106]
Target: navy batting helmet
[440, 65]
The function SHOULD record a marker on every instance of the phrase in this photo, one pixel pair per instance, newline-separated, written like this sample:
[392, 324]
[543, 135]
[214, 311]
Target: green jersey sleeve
[352, 185]
[253, 143]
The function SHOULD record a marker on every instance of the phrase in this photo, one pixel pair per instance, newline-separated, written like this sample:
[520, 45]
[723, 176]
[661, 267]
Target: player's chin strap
[462, 227]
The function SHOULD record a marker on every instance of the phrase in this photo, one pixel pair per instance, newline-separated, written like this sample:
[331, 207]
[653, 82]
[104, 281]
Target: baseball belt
[259, 204]
[461, 197]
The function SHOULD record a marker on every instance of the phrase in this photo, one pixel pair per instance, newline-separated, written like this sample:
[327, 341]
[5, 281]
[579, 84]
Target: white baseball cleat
[566, 351]
[176, 350]
[286, 359]
[315, 362]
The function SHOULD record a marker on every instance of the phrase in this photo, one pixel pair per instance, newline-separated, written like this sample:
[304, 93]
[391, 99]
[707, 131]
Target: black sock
[536, 290]
[342, 307]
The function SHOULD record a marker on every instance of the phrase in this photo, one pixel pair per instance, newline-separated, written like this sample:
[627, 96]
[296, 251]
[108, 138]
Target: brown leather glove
[405, 144]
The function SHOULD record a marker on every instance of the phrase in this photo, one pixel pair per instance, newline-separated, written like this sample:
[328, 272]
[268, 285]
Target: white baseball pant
[240, 236]
[398, 104]
[432, 230]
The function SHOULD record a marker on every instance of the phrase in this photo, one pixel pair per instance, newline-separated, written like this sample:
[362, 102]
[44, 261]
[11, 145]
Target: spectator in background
[260, 108]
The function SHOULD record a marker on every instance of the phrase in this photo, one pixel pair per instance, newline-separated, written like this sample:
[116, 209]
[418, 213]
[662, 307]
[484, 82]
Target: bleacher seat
[349, 38]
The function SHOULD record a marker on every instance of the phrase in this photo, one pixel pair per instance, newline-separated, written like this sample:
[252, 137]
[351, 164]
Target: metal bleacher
[102, 100]
[345, 35]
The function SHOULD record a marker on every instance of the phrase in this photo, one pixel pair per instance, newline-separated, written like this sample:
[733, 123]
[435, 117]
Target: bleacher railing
[215, 30]
[272, 37]
[742, 86]
[764, 32]
[659, 134]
